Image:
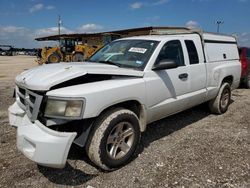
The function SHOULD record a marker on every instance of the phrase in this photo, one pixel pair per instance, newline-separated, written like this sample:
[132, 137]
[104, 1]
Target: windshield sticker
[138, 50]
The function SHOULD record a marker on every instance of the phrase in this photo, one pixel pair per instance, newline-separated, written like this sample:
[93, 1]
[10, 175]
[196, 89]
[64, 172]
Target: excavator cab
[67, 45]
[109, 37]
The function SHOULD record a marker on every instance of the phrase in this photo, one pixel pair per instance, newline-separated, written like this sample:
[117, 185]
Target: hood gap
[88, 78]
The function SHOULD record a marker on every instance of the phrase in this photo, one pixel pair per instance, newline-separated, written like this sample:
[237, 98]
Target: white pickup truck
[104, 104]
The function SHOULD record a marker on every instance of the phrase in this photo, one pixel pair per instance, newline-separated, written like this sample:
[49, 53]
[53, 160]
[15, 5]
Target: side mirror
[165, 64]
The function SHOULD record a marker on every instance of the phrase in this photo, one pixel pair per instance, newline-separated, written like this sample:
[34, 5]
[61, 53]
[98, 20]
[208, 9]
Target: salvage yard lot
[191, 149]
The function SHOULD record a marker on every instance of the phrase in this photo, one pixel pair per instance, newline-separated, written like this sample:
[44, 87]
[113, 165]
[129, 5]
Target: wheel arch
[133, 105]
[228, 79]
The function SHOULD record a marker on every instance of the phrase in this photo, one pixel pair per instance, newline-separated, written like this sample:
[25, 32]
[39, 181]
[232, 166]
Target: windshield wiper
[109, 63]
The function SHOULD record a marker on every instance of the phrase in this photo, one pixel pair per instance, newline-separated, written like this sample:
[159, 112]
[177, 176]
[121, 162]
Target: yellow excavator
[70, 50]
[67, 51]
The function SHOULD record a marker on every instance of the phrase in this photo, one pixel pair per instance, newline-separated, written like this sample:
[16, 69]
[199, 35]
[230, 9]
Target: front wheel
[220, 104]
[114, 139]
[54, 58]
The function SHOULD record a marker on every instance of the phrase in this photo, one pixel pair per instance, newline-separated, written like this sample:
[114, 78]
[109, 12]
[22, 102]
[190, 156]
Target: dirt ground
[190, 149]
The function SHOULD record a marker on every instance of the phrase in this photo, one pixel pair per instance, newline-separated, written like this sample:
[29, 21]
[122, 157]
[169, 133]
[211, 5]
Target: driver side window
[172, 51]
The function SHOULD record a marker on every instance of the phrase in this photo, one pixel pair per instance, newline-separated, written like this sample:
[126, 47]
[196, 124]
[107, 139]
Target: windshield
[62, 42]
[126, 53]
[66, 42]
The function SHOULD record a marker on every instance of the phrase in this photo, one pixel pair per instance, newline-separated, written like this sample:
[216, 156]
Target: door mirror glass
[165, 64]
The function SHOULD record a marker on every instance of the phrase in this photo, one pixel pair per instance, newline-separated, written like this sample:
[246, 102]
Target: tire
[54, 58]
[114, 139]
[78, 57]
[219, 105]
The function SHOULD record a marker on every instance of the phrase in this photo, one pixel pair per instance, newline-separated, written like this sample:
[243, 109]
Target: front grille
[29, 101]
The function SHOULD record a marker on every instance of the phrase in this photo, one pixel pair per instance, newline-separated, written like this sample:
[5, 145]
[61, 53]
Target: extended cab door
[197, 70]
[167, 90]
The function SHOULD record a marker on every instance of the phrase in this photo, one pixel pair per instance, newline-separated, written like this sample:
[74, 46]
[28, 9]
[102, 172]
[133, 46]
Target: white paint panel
[221, 52]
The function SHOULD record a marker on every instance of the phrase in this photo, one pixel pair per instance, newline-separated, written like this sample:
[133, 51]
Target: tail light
[243, 67]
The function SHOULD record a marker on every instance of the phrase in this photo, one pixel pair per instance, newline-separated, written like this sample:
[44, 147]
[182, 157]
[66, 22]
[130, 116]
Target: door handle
[183, 76]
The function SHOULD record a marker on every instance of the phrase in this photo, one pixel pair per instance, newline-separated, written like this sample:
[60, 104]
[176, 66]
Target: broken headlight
[64, 108]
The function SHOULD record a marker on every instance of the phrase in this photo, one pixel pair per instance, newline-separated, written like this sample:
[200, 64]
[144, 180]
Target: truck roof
[205, 36]
[148, 37]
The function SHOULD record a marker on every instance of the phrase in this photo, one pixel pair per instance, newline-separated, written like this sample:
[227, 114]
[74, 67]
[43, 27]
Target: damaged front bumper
[39, 143]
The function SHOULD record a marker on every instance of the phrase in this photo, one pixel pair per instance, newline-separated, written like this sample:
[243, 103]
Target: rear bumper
[39, 143]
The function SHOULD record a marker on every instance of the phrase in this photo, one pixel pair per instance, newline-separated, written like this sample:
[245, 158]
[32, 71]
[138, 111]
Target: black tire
[54, 58]
[78, 57]
[219, 105]
[105, 145]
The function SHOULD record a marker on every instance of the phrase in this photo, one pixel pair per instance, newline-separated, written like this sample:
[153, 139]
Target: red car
[245, 66]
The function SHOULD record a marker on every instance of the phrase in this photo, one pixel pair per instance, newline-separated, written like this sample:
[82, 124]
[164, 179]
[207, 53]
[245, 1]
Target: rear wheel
[78, 57]
[114, 139]
[54, 58]
[220, 104]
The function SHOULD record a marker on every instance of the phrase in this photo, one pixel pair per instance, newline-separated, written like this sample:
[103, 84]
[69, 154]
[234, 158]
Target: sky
[23, 20]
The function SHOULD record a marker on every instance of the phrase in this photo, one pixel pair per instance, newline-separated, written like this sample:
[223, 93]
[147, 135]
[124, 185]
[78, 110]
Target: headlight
[64, 108]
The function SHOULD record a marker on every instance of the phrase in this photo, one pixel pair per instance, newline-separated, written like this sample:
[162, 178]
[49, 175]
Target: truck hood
[44, 77]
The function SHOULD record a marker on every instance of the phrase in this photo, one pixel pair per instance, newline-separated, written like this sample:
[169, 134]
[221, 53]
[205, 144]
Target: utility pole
[218, 22]
[59, 24]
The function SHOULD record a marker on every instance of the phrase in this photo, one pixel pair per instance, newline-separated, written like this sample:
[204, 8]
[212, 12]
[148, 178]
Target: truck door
[167, 90]
[197, 71]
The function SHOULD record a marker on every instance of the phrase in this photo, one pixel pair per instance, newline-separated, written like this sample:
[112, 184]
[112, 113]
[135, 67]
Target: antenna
[219, 22]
